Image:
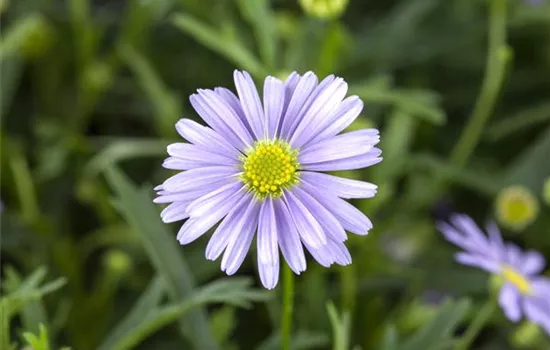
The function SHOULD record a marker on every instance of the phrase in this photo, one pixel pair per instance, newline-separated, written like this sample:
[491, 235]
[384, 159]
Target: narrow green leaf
[137, 207]
[11, 68]
[398, 136]
[532, 166]
[300, 340]
[222, 322]
[41, 342]
[24, 184]
[340, 327]
[414, 102]
[146, 305]
[123, 149]
[234, 291]
[391, 338]
[481, 183]
[334, 47]
[260, 16]
[226, 46]
[440, 329]
[166, 106]
[519, 121]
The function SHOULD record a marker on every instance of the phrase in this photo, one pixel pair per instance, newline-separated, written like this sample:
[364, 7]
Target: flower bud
[324, 9]
[516, 207]
[117, 262]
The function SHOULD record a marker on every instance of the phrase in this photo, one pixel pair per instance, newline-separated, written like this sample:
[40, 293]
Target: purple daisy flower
[256, 168]
[524, 292]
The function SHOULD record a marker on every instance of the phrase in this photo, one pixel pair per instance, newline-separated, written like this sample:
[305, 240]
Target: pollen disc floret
[269, 167]
[517, 279]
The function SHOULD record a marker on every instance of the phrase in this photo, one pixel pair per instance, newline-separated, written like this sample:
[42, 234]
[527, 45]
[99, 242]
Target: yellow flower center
[269, 167]
[516, 279]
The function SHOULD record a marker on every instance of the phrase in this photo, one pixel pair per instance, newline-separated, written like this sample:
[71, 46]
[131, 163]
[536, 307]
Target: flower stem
[288, 298]
[481, 318]
[497, 59]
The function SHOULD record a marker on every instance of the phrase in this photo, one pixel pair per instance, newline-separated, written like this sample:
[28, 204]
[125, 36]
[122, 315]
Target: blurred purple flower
[258, 165]
[524, 291]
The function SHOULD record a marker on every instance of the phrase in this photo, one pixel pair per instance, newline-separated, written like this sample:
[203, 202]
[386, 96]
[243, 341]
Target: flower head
[523, 290]
[257, 168]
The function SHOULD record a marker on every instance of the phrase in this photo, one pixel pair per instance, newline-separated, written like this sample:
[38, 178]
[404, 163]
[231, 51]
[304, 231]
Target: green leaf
[335, 46]
[260, 16]
[136, 206]
[222, 322]
[418, 103]
[166, 105]
[440, 329]
[340, 327]
[391, 338]
[146, 304]
[532, 166]
[38, 343]
[11, 69]
[519, 121]
[235, 291]
[300, 340]
[396, 142]
[20, 295]
[227, 46]
[123, 149]
[479, 182]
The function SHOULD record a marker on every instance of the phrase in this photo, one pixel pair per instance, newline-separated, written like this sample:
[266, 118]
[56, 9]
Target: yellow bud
[516, 207]
[527, 336]
[324, 9]
[117, 261]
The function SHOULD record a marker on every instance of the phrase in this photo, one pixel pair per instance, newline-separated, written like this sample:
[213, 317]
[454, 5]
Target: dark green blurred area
[91, 90]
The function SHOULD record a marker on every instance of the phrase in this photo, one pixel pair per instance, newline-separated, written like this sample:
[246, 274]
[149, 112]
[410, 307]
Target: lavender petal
[288, 237]
[274, 98]
[250, 103]
[232, 226]
[331, 226]
[308, 227]
[341, 187]
[267, 246]
[509, 301]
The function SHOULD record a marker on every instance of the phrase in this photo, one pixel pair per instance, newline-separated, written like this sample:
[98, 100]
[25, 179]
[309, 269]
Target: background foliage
[91, 89]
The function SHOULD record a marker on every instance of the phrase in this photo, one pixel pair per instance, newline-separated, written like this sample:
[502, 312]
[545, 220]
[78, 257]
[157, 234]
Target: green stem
[348, 287]
[288, 298]
[497, 59]
[481, 318]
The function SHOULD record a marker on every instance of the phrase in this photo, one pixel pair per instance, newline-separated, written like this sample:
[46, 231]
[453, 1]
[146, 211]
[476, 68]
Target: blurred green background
[90, 92]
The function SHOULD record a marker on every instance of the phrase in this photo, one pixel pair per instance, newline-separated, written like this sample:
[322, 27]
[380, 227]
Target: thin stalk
[497, 59]
[288, 300]
[482, 317]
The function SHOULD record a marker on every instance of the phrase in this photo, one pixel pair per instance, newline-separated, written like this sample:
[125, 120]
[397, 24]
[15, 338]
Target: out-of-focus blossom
[516, 207]
[258, 168]
[524, 292]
